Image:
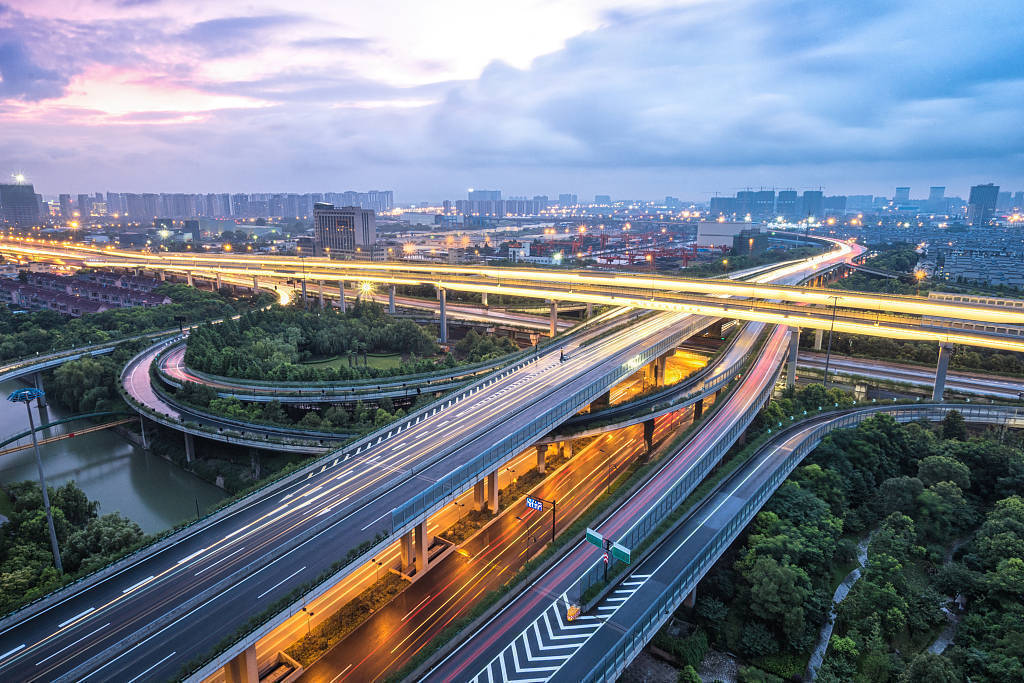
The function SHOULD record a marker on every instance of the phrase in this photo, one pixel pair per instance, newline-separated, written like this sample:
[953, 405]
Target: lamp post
[26, 396]
[309, 615]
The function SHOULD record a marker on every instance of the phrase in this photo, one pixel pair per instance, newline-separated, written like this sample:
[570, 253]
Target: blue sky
[628, 99]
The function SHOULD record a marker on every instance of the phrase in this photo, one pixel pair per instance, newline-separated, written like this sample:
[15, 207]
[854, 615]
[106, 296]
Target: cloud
[21, 78]
[235, 35]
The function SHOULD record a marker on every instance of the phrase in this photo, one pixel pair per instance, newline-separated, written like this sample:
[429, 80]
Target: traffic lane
[490, 558]
[242, 558]
[661, 568]
[495, 636]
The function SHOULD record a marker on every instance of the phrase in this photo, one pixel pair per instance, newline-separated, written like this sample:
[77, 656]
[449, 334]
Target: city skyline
[590, 98]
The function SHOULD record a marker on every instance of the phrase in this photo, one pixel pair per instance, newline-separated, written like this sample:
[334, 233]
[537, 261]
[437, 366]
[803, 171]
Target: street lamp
[828, 352]
[309, 615]
[26, 396]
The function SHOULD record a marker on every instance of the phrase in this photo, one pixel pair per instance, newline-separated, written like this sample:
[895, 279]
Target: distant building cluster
[77, 295]
[993, 266]
[345, 231]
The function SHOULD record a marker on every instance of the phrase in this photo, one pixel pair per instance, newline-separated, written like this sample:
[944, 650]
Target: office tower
[484, 195]
[66, 210]
[344, 230]
[982, 204]
[936, 193]
[813, 204]
[785, 204]
[18, 205]
[835, 205]
[902, 195]
[1018, 200]
[84, 206]
[568, 200]
[1003, 201]
[115, 204]
[764, 204]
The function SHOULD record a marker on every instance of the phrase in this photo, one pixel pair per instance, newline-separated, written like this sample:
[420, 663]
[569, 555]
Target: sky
[633, 99]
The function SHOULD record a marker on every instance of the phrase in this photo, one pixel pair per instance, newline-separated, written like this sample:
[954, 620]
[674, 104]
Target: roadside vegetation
[40, 332]
[730, 263]
[913, 490]
[87, 541]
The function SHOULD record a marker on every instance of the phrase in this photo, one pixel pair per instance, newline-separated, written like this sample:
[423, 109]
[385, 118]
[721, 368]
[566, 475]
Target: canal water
[145, 488]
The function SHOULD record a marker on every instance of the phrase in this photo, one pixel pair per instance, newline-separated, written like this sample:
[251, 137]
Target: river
[147, 489]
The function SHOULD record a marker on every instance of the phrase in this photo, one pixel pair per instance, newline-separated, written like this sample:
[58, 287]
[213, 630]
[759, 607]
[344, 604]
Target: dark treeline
[916, 488]
[24, 334]
[87, 541]
[272, 344]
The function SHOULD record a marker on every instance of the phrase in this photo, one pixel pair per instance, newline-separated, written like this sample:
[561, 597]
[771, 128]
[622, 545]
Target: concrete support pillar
[483, 299]
[37, 379]
[819, 335]
[649, 435]
[303, 291]
[341, 295]
[554, 317]
[492, 492]
[443, 300]
[142, 430]
[243, 668]
[254, 463]
[659, 370]
[190, 447]
[542, 449]
[255, 284]
[691, 599]
[218, 282]
[391, 300]
[406, 548]
[422, 545]
[163, 276]
[320, 291]
[945, 350]
[479, 495]
[794, 352]
[590, 310]
[698, 409]
[190, 282]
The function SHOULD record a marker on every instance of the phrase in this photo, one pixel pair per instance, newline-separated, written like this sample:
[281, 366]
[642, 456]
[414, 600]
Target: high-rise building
[902, 195]
[813, 204]
[192, 227]
[764, 204]
[744, 202]
[484, 195]
[936, 193]
[982, 204]
[67, 211]
[606, 200]
[835, 205]
[1018, 200]
[240, 205]
[568, 200]
[345, 231]
[1003, 201]
[785, 204]
[18, 205]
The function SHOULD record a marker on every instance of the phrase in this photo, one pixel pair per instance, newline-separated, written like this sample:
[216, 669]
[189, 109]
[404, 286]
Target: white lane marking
[376, 520]
[415, 608]
[140, 583]
[214, 564]
[195, 554]
[42, 661]
[279, 583]
[152, 667]
[342, 673]
[77, 616]
[11, 652]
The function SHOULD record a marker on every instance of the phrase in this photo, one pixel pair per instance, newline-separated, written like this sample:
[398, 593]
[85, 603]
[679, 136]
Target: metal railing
[635, 638]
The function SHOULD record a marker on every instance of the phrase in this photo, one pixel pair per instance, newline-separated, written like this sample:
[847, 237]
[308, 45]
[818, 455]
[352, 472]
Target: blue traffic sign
[534, 503]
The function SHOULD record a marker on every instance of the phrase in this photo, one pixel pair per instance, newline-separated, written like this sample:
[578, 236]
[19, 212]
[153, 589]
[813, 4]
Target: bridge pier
[37, 379]
[303, 292]
[492, 492]
[554, 317]
[190, 447]
[794, 351]
[649, 435]
[691, 599]
[391, 300]
[406, 548]
[442, 295]
[320, 291]
[590, 310]
[483, 299]
[191, 283]
[341, 295]
[479, 495]
[243, 668]
[255, 284]
[422, 541]
[819, 335]
[163, 275]
[218, 282]
[698, 409]
[945, 350]
[660, 365]
[142, 430]
[542, 449]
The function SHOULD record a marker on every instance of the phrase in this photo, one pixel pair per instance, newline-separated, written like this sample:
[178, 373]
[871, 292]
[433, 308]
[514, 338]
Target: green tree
[936, 468]
[954, 426]
[930, 668]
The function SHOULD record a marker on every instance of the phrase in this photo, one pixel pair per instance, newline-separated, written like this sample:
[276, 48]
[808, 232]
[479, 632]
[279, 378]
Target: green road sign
[620, 552]
[595, 538]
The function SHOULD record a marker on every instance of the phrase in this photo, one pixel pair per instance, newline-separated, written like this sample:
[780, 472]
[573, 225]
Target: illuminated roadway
[206, 576]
